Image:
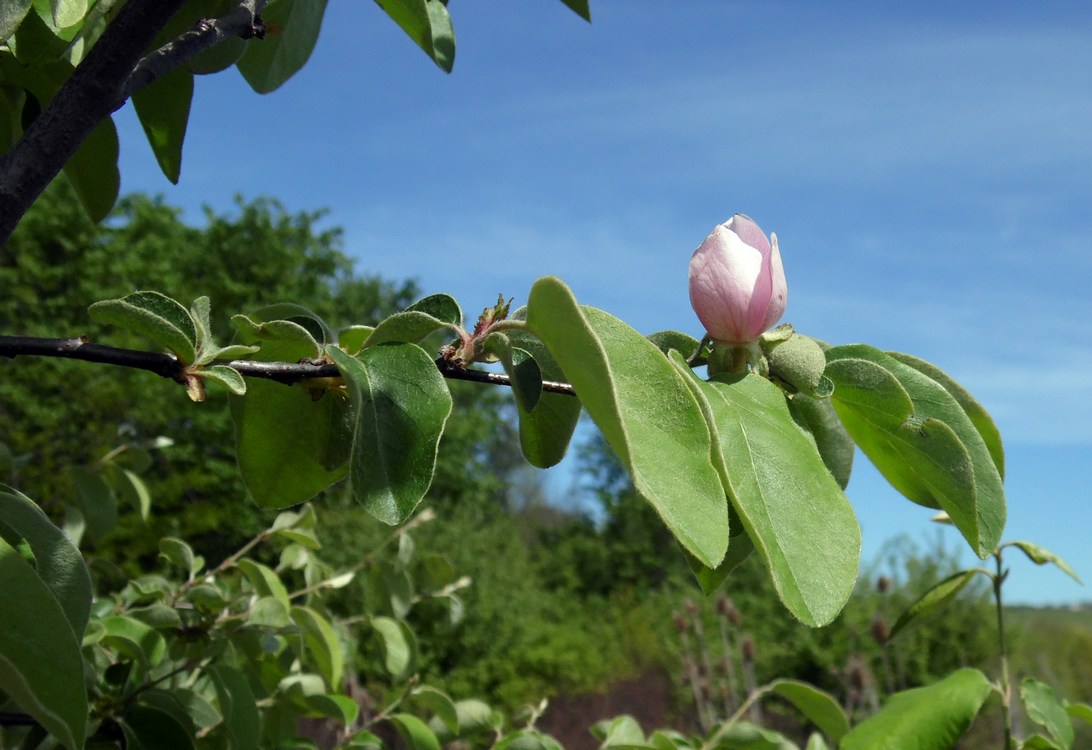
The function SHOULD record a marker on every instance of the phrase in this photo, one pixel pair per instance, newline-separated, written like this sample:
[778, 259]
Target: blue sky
[928, 172]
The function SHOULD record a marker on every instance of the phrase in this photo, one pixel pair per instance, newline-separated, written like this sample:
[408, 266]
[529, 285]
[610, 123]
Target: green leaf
[934, 600]
[219, 56]
[621, 731]
[1081, 711]
[440, 704]
[401, 404]
[819, 707]
[292, 28]
[265, 581]
[322, 644]
[1045, 709]
[154, 316]
[709, 579]
[41, 668]
[352, 338]
[523, 372]
[340, 707]
[289, 446]
[135, 640]
[545, 433]
[928, 718]
[178, 553]
[527, 740]
[164, 111]
[580, 7]
[66, 13]
[282, 322]
[399, 648]
[1042, 556]
[920, 438]
[428, 24]
[799, 519]
[644, 409]
[242, 723]
[409, 326]
[440, 306]
[835, 446]
[93, 170]
[979, 417]
[226, 376]
[95, 500]
[148, 728]
[135, 491]
[60, 565]
[816, 742]
[415, 732]
[745, 735]
[11, 15]
[269, 612]
[683, 343]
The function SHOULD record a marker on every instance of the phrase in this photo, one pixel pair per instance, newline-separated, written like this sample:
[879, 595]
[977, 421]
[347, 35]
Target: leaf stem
[1006, 683]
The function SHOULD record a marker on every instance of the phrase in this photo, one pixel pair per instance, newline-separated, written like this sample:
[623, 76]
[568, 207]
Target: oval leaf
[428, 24]
[398, 646]
[41, 668]
[1042, 556]
[799, 519]
[400, 404]
[155, 316]
[164, 111]
[93, 171]
[60, 565]
[292, 28]
[821, 708]
[920, 438]
[545, 433]
[644, 409]
[1045, 709]
[928, 718]
[934, 600]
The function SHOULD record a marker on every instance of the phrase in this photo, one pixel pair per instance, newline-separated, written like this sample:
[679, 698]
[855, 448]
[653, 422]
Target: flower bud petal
[737, 282]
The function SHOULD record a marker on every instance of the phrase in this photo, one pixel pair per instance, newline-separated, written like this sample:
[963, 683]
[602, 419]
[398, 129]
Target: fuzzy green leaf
[645, 411]
[794, 512]
[164, 111]
[428, 24]
[400, 404]
[934, 600]
[920, 438]
[93, 170]
[928, 718]
[1042, 556]
[545, 433]
[41, 668]
[292, 28]
[1045, 709]
[154, 316]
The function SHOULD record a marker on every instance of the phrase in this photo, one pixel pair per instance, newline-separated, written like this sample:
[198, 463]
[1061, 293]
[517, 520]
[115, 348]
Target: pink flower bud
[737, 282]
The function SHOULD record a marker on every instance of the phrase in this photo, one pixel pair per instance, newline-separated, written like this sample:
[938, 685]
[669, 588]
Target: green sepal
[798, 361]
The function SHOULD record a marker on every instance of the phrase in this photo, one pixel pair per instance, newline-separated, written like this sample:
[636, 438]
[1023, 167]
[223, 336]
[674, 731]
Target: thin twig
[166, 366]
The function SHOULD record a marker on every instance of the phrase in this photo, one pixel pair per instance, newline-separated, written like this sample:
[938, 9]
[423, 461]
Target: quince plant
[752, 458]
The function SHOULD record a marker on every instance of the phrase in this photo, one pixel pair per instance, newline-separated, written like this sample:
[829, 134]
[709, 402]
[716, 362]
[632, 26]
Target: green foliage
[644, 409]
[920, 438]
[43, 42]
